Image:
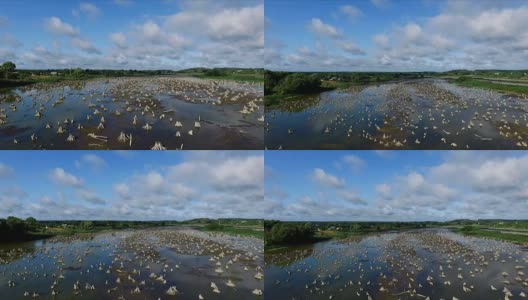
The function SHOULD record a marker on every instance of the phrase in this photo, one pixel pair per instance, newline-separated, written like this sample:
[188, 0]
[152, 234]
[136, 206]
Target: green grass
[242, 231]
[496, 235]
[236, 77]
[517, 89]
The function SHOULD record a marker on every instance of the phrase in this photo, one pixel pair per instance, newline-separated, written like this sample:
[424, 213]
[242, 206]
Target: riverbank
[485, 84]
[237, 231]
[496, 234]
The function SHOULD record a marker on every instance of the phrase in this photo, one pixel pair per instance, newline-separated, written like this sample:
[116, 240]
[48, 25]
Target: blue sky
[389, 35]
[396, 185]
[131, 185]
[132, 34]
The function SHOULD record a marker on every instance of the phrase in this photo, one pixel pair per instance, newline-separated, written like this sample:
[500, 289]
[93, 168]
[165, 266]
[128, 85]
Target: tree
[8, 67]
[31, 223]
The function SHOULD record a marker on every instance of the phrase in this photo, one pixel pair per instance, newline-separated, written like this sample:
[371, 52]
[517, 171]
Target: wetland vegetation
[395, 111]
[130, 259]
[155, 110]
[460, 259]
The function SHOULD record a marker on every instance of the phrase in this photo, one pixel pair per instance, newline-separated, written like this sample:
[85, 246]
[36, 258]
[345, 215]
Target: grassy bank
[483, 84]
[257, 78]
[239, 231]
[493, 234]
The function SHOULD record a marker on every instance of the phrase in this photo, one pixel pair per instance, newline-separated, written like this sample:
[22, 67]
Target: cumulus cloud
[6, 171]
[464, 184]
[89, 9]
[57, 26]
[203, 184]
[354, 161]
[91, 160]
[186, 35]
[119, 39]
[318, 27]
[319, 176]
[453, 35]
[61, 177]
[352, 12]
[381, 3]
[85, 45]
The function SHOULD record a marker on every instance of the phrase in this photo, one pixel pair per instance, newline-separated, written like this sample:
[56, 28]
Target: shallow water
[398, 262]
[418, 114]
[182, 257]
[153, 100]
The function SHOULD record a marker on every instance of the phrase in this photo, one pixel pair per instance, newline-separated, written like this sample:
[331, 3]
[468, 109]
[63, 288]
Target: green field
[255, 232]
[496, 235]
[483, 84]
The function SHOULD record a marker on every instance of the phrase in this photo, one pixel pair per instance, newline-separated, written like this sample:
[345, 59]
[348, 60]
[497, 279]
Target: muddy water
[159, 101]
[407, 265]
[184, 259]
[418, 114]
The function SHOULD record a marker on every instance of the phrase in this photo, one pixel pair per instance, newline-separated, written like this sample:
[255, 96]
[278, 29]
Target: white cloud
[57, 26]
[61, 177]
[380, 3]
[354, 161]
[352, 12]
[382, 40]
[384, 190]
[350, 47]
[85, 46]
[351, 197]
[237, 24]
[119, 39]
[6, 171]
[91, 160]
[319, 176]
[90, 196]
[89, 9]
[318, 27]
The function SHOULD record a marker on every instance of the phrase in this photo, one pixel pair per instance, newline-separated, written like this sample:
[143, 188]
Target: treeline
[14, 229]
[277, 84]
[226, 221]
[511, 74]
[281, 233]
[496, 223]
[284, 233]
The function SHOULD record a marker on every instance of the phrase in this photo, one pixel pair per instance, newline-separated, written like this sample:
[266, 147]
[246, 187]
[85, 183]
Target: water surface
[417, 114]
[133, 264]
[433, 263]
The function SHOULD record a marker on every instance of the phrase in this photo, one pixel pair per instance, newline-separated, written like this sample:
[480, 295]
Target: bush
[214, 72]
[214, 226]
[289, 233]
[467, 228]
[298, 83]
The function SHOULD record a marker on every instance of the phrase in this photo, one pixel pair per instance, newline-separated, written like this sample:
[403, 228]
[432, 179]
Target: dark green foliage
[214, 226]
[467, 228]
[298, 83]
[214, 73]
[289, 233]
[8, 68]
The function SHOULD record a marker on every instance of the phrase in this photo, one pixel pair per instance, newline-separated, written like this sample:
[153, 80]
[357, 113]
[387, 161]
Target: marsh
[417, 264]
[412, 114]
[168, 262]
[150, 112]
